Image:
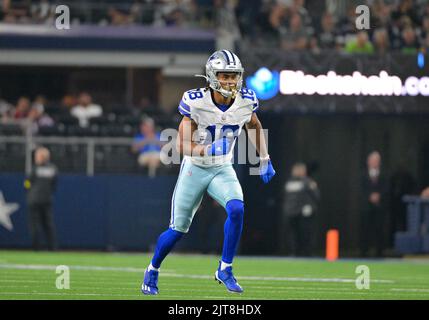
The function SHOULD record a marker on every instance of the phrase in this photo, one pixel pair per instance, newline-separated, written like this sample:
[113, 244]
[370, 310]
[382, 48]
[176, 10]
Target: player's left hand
[266, 170]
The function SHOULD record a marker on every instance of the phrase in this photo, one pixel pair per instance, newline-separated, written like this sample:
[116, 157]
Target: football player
[213, 118]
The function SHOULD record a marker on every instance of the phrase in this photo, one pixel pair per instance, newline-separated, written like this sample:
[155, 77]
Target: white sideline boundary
[170, 274]
[409, 290]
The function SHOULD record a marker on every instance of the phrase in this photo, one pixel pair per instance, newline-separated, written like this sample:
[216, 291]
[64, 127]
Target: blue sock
[165, 244]
[232, 229]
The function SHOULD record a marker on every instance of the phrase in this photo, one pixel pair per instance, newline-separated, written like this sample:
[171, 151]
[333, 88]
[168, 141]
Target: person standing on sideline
[40, 187]
[299, 207]
[374, 191]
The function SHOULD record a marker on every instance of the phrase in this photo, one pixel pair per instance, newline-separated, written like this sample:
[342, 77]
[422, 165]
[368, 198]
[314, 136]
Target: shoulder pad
[249, 98]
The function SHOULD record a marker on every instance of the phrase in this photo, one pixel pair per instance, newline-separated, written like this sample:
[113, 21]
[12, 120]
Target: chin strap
[225, 93]
[202, 76]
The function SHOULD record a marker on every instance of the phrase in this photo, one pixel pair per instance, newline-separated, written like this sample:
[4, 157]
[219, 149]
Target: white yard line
[410, 290]
[110, 295]
[75, 267]
[166, 273]
[297, 279]
[66, 294]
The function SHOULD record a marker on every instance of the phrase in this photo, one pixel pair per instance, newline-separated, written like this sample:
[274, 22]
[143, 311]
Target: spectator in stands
[40, 186]
[5, 108]
[42, 12]
[406, 9]
[381, 41]
[395, 37]
[142, 12]
[173, 13]
[68, 102]
[424, 10]
[298, 6]
[380, 15]
[264, 32]
[410, 44]
[374, 190]
[146, 108]
[226, 24]
[204, 12]
[425, 43]
[313, 45]
[248, 15]
[360, 44]
[86, 110]
[423, 32]
[22, 109]
[15, 12]
[327, 36]
[175, 18]
[148, 145]
[118, 17]
[38, 115]
[294, 37]
[37, 107]
[2, 9]
[425, 193]
[346, 26]
[276, 16]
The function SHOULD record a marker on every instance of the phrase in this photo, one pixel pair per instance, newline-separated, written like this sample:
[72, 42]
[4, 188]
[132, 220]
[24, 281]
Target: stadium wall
[104, 212]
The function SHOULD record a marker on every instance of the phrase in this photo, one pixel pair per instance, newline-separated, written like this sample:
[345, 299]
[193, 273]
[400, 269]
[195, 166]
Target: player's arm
[184, 143]
[257, 138]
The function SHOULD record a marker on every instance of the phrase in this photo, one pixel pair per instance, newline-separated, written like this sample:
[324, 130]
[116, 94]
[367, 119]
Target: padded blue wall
[101, 212]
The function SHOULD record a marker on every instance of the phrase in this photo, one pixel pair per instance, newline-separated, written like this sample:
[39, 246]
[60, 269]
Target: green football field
[98, 275]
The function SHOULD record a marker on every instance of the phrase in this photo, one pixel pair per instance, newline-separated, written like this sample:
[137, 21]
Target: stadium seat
[67, 120]
[78, 131]
[103, 120]
[120, 160]
[117, 130]
[129, 119]
[11, 130]
[55, 130]
[55, 111]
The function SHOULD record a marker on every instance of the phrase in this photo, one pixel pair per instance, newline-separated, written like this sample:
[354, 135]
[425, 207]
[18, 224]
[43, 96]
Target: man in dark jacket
[374, 192]
[299, 207]
[40, 187]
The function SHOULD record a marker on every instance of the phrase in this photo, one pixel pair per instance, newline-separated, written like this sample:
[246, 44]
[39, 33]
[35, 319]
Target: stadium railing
[75, 154]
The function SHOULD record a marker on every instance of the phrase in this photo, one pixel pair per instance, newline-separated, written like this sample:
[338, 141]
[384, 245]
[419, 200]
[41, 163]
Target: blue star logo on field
[6, 209]
[264, 82]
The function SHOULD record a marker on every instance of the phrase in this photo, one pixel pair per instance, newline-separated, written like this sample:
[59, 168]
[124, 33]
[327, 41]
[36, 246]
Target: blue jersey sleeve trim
[185, 106]
[184, 112]
[255, 107]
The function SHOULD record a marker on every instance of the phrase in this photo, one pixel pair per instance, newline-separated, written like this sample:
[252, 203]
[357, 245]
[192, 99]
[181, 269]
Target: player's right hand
[218, 148]
[266, 170]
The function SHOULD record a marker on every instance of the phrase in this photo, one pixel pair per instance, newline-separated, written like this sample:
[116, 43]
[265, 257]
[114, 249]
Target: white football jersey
[214, 123]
